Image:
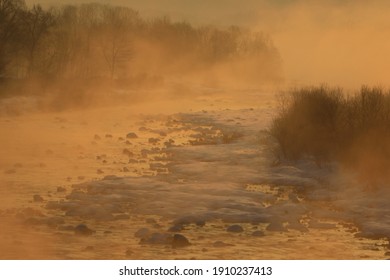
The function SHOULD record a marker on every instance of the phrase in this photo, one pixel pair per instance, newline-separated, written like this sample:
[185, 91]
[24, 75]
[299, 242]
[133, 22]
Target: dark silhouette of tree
[36, 24]
[72, 39]
[10, 14]
[116, 42]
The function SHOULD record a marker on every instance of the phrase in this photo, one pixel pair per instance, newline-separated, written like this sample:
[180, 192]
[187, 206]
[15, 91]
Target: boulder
[83, 229]
[180, 241]
[131, 135]
[235, 228]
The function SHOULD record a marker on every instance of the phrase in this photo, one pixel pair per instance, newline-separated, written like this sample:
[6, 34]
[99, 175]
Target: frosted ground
[118, 182]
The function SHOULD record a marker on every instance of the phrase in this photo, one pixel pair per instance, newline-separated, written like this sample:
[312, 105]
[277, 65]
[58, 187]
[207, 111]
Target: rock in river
[82, 229]
[180, 241]
[235, 228]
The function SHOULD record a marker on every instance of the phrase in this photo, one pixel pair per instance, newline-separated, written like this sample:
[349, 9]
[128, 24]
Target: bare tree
[76, 36]
[10, 11]
[37, 23]
[116, 28]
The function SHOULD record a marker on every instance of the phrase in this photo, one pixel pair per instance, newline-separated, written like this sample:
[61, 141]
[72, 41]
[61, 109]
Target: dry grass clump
[325, 124]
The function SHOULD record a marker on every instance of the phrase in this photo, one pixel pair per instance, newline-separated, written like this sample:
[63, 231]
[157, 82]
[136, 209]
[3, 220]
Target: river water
[117, 182]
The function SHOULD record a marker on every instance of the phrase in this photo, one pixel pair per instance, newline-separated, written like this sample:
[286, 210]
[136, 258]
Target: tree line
[97, 40]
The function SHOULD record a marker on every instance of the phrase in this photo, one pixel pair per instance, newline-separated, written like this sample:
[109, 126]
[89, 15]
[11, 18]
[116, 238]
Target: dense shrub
[326, 124]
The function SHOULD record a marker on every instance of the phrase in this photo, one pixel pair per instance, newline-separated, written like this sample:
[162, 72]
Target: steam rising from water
[339, 42]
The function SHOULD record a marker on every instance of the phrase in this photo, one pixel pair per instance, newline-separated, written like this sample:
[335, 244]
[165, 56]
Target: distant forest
[102, 41]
